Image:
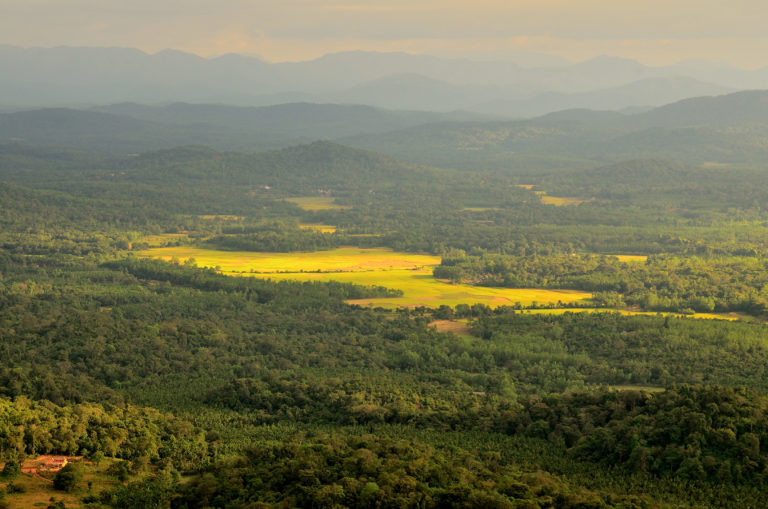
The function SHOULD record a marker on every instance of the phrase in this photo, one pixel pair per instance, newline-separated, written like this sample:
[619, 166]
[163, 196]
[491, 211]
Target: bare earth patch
[452, 326]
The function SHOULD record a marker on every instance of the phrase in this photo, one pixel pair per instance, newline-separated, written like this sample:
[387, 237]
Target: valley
[319, 325]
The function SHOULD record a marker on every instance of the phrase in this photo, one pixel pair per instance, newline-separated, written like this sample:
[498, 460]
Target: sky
[654, 32]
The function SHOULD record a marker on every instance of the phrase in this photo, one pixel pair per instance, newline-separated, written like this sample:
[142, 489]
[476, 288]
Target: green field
[411, 273]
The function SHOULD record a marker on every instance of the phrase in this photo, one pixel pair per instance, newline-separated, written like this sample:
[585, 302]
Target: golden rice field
[411, 273]
[322, 228]
[313, 203]
[346, 259]
[631, 258]
[221, 217]
[421, 289]
[560, 201]
[625, 312]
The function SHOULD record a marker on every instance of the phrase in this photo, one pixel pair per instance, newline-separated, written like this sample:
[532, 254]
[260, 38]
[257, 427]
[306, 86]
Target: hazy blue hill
[412, 91]
[123, 134]
[730, 128]
[579, 116]
[318, 121]
[132, 128]
[741, 107]
[649, 92]
[65, 122]
[68, 76]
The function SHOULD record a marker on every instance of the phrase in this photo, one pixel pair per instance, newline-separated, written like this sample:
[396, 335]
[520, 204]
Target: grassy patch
[411, 273]
[346, 259]
[222, 217]
[706, 316]
[560, 201]
[38, 491]
[458, 327]
[631, 258]
[420, 288]
[317, 203]
[322, 228]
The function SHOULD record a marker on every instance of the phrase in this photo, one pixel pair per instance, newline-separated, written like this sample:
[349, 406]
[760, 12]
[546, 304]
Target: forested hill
[725, 129]
[731, 109]
[132, 128]
[284, 393]
[120, 134]
[301, 168]
[315, 121]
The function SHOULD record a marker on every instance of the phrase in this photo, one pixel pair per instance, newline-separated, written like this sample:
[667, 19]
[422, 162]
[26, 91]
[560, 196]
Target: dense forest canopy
[207, 390]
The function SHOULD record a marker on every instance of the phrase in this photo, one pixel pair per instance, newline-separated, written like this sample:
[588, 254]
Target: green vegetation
[313, 203]
[181, 382]
[663, 283]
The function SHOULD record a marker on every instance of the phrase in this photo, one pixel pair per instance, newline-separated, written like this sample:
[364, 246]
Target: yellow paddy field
[631, 258]
[317, 203]
[411, 273]
[346, 259]
[421, 289]
[625, 312]
[322, 228]
[560, 201]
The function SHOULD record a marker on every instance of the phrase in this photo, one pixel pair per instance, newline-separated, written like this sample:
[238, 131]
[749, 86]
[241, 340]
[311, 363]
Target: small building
[54, 464]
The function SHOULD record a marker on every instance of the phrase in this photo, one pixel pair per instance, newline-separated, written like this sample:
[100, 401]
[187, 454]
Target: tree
[11, 470]
[67, 478]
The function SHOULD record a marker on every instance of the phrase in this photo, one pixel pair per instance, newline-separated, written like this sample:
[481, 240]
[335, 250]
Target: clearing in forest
[458, 327]
[560, 201]
[322, 228]
[626, 312]
[221, 217]
[312, 203]
[345, 259]
[411, 273]
[631, 258]
[36, 484]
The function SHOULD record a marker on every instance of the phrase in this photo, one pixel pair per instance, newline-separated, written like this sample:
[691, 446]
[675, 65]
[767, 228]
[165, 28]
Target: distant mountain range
[730, 128]
[132, 128]
[66, 76]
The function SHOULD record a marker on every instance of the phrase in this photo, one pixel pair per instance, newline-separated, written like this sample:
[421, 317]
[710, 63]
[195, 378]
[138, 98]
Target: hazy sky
[653, 31]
